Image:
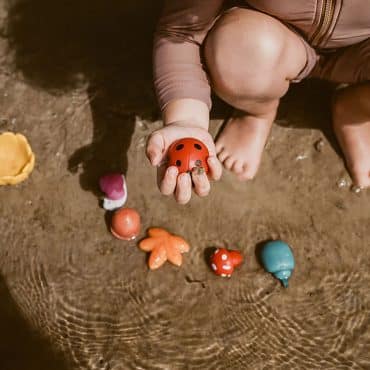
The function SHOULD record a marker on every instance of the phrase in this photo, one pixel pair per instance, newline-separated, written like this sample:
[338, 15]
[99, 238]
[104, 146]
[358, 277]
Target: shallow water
[73, 297]
[94, 299]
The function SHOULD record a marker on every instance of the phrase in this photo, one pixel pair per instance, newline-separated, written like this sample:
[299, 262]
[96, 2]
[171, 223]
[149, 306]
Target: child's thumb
[155, 148]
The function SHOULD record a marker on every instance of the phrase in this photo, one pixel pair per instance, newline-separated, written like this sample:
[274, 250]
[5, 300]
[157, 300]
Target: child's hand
[169, 181]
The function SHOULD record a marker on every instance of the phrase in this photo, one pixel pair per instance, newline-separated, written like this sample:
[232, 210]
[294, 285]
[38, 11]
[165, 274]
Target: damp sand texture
[73, 297]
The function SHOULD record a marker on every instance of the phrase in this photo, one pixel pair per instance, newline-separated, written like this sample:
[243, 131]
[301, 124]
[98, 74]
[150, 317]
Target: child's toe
[223, 155]
[229, 162]
[362, 179]
[248, 173]
[238, 167]
[219, 147]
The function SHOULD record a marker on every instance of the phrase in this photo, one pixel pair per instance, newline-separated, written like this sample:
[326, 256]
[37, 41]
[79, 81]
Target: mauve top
[178, 69]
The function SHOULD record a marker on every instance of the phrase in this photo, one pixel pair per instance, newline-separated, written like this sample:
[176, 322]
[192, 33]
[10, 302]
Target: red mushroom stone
[236, 257]
[221, 263]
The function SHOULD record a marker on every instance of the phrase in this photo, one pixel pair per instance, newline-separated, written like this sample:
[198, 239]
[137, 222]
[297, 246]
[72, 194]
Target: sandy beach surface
[75, 78]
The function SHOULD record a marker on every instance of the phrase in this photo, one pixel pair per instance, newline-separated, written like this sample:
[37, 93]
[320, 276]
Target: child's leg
[351, 106]
[351, 120]
[251, 58]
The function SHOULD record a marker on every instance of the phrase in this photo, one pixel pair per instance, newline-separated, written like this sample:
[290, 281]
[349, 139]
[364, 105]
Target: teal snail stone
[277, 258]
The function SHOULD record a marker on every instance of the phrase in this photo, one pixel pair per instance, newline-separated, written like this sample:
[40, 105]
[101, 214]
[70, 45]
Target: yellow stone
[16, 158]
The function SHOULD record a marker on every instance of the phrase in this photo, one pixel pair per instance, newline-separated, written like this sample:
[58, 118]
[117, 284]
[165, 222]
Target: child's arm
[188, 110]
[183, 90]
[178, 70]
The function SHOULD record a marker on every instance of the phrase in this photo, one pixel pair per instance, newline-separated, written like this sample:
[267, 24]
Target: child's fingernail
[172, 171]
[153, 159]
[198, 170]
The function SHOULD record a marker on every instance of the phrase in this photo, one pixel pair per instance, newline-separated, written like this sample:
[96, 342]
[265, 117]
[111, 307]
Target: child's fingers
[201, 183]
[215, 168]
[183, 188]
[168, 183]
[155, 148]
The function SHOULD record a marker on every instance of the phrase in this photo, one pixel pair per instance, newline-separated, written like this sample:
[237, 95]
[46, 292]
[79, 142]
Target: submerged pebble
[341, 205]
[319, 145]
[301, 157]
[141, 143]
[356, 189]
[342, 183]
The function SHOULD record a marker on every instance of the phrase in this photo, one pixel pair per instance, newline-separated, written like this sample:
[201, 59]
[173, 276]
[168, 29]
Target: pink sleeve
[178, 70]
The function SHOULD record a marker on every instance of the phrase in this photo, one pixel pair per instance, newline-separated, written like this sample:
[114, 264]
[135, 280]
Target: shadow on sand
[21, 347]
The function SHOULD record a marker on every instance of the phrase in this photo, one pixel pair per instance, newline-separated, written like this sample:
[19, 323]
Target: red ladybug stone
[187, 153]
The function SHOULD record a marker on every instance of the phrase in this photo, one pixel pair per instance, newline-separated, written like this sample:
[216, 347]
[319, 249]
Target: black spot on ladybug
[178, 163]
[197, 146]
[180, 146]
[198, 162]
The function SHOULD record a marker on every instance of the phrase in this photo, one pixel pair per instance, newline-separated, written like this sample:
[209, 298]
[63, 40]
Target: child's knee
[243, 54]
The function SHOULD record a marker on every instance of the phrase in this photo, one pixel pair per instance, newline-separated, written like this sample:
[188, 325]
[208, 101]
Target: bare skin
[183, 118]
[351, 122]
[241, 143]
[271, 55]
[275, 57]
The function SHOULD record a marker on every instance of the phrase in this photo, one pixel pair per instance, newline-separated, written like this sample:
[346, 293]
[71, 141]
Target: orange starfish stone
[163, 246]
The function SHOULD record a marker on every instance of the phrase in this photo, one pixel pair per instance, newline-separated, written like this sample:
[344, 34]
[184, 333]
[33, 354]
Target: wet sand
[75, 78]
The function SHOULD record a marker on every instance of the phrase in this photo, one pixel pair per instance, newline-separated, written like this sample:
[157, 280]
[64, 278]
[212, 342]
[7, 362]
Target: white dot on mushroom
[224, 257]
[214, 267]
[226, 267]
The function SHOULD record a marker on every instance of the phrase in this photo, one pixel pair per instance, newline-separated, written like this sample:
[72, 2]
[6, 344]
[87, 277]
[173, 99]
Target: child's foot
[351, 116]
[241, 143]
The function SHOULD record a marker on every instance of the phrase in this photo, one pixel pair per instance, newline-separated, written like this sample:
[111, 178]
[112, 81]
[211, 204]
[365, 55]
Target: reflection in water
[95, 301]
[132, 320]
